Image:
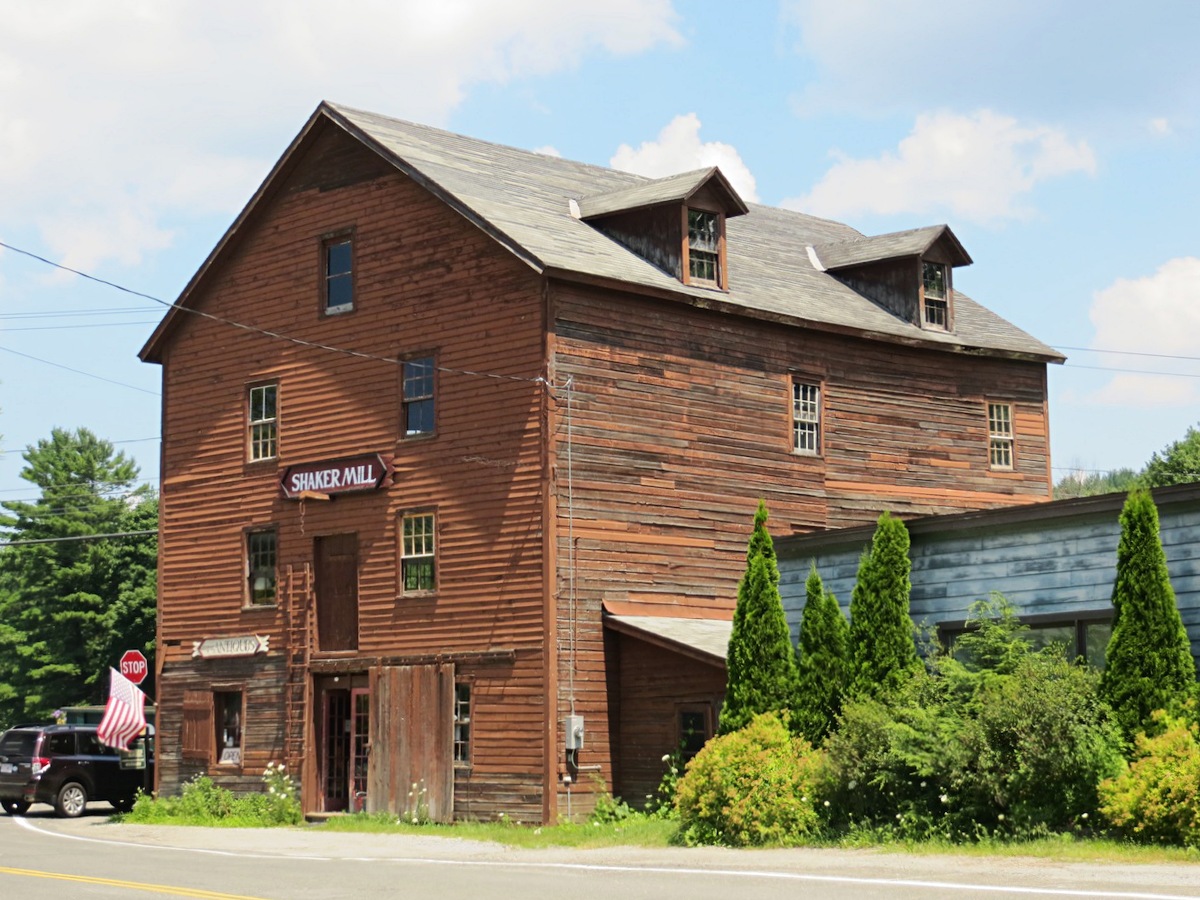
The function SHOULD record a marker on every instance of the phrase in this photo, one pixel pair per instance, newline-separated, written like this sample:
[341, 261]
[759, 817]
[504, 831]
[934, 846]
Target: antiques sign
[335, 476]
[241, 645]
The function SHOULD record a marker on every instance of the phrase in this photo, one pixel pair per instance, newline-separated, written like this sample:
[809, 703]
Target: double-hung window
[1000, 435]
[339, 275]
[936, 293]
[417, 561]
[417, 401]
[260, 567]
[264, 422]
[704, 247]
[806, 418]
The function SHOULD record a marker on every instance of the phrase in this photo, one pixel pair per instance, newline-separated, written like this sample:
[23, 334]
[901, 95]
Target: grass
[637, 831]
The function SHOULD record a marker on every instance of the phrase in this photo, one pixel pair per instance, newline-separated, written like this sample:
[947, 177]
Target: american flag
[125, 714]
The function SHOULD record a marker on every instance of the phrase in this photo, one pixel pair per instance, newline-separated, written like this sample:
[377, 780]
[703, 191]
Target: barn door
[411, 768]
[336, 563]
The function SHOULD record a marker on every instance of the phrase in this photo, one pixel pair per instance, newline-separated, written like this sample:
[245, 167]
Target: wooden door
[337, 591]
[411, 768]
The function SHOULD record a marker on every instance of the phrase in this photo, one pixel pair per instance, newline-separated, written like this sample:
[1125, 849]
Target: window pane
[418, 396]
[339, 280]
[263, 422]
[704, 234]
[1044, 635]
[229, 726]
[1096, 635]
[806, 418]
[934, 280]
[260, 551]
[417, 553]
[462, 723]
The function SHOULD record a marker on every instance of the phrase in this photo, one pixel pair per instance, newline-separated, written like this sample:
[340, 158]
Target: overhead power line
[81, 537]
[132, 387]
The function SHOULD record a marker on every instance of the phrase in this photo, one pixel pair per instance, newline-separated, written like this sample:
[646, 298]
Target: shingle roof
[876, 248]
[651, 193]
[524, 201]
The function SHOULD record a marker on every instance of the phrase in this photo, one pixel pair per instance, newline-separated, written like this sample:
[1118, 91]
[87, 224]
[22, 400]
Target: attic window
[704, 247]
[935, 282]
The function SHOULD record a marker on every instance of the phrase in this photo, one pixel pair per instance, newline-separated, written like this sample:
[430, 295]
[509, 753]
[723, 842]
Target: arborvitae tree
[68, 600]
[761, 664]
[882, 646]
[822, 661]
[1148, 663]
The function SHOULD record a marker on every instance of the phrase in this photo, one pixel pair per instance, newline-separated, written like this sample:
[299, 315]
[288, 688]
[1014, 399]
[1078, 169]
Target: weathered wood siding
[425, 281]
[678, 419]
[1056, 559]
[654, 684]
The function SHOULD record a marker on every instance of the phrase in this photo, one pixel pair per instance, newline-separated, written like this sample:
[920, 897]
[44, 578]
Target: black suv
[66, 766]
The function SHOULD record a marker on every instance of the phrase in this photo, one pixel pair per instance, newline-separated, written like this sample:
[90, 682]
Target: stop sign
[133, 666]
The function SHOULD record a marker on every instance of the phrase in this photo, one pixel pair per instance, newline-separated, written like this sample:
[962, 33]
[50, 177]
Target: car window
[18, 743]
[89, 745]
[59, 744]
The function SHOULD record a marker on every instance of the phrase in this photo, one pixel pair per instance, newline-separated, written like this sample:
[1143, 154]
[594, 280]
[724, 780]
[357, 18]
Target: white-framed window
[261, 577]
[704, 247]
[339, 275]
[1000, 435]
[935, 290]
[264, 422]
[417, 559]
[462, 723]
[417, 396]
[806, 418]
[228, 709]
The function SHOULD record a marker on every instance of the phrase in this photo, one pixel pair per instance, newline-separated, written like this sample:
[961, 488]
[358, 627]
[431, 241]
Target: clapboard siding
[425, 281]
[680, 419]
[1054, 559]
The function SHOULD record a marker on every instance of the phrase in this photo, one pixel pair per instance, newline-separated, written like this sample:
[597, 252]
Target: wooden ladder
[298, 686]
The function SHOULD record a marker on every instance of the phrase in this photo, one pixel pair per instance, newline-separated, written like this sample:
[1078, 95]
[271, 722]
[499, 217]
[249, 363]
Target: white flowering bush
[282, 804]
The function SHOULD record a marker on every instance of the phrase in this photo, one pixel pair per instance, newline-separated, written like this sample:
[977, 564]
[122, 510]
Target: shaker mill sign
[335, 476]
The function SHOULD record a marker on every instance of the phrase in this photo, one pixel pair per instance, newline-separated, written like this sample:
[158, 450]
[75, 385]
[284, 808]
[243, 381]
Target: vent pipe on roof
[573, 206]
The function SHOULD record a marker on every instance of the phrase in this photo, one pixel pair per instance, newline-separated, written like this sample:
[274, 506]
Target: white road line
[657, 870]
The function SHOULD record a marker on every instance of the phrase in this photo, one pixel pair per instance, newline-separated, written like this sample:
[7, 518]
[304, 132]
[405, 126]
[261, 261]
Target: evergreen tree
[1148, 663]
[822, 661]
[882, 646]
[761, 664]
[67, 601]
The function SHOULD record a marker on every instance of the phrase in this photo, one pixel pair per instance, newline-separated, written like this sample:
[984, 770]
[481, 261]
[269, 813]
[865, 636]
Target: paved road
[41, 856]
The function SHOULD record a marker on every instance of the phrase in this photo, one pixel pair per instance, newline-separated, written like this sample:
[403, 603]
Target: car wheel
[123, 804]
[15, 807]
[72, 800]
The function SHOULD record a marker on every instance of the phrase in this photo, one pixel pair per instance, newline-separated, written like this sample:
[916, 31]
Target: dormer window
[704, 247]
[936, 295]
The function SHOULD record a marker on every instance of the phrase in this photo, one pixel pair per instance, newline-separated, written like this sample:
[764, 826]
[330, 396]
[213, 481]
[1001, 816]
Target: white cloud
[678, 148]
[548, 150]
[979, 167]
[138, 112]
[1157, 314]
[1160, 127]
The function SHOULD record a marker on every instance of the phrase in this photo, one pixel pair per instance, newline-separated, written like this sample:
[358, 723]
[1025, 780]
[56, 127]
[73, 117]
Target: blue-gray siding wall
[1060, 565]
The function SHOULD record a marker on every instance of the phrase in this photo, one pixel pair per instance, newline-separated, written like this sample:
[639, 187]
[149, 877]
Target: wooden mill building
[462, 445]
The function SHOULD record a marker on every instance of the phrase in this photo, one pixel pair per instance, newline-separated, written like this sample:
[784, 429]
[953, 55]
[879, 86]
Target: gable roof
[523, 201]
[672, 189]
[898, 244]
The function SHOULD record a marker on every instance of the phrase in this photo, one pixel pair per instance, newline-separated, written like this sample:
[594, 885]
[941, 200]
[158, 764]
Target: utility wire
[81, 537]
[47, 362]
[277, 335]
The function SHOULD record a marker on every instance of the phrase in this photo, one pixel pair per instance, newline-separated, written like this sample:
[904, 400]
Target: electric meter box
[574, 729]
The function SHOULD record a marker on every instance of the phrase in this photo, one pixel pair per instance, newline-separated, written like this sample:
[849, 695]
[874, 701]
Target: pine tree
[761, 664]
[882, 646]
[1148, 663]
[822, 661]
[66, 601]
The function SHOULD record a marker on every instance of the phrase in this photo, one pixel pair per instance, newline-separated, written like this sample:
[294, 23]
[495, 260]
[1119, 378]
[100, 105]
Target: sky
[1059, 139]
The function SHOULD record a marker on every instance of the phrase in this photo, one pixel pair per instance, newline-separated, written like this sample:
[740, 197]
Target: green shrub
[1013, 743]
[1157, 799]
[822, 662]
[752, 787]
[201, 802]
